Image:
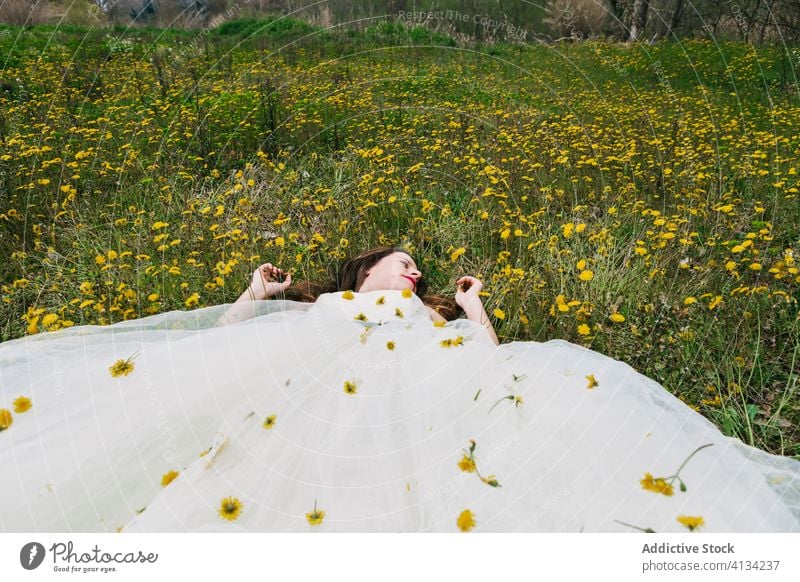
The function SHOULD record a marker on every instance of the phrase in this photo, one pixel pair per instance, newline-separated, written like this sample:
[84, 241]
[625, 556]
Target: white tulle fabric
[91, 452]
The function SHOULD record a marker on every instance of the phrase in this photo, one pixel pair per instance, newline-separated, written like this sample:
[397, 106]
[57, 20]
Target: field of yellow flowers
[638, 200]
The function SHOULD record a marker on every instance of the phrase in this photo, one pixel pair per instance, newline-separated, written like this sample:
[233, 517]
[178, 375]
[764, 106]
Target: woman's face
[397, 271]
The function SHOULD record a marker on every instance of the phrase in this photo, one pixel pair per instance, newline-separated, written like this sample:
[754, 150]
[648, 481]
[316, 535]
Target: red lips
[413, 281]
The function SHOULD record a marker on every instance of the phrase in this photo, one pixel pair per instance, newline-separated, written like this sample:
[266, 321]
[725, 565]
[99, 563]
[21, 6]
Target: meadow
[640, 200]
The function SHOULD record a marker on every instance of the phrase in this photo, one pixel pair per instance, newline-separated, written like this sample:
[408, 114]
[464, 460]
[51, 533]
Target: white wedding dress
[365, 410]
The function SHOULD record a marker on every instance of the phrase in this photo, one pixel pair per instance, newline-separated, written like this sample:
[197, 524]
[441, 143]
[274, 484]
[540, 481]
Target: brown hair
[350, 274]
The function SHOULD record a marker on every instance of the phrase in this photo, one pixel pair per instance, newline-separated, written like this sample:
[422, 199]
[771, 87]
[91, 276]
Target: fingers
[270, 272]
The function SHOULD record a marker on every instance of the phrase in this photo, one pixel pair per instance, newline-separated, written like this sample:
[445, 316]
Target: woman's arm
[243, 308]
[261, 287]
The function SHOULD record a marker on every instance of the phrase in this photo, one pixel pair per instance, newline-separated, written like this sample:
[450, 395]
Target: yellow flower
[361, 317]
[390, 345]
[617, 317]
[517, 400]
[457, 253]
[315, 517]
[584, 329]
[499, 313]
[692, 522]
[449, 343]
[122, 367]
[649, 483]
[592, 381]
[269, 422]
[168, 477]
[5, 419]
[406, 293]
[398, 312]
[714, 302]
[347, 295]
[22, 404]
[466, 520]
[381, 300]
[466, 464]
[586, 275]
[49, 319]
[350, 387]
[192, 300]
[230, 508]
[439, 323]
[689, 301]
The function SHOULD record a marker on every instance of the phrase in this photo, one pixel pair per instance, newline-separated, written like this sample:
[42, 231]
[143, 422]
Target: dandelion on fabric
[315, 517]
[466, 464]
[230, 508]
[5, 419]
[452, 342]
[466, 520]
[350, 387]
[269, 422]
[692, 522]
[122, 367]
[168, 477]
[649, 483]
[22, 404]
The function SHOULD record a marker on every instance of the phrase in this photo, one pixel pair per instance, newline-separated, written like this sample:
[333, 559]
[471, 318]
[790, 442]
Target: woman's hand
[467, 289]
[266, 281]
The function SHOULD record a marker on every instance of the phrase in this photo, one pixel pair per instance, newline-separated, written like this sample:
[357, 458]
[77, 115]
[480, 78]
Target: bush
[22, 12]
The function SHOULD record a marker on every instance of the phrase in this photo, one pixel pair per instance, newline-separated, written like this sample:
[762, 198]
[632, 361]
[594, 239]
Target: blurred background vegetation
[476, 21]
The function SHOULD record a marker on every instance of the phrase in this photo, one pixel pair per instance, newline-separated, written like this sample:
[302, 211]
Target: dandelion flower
[406, 293]
[361, 317]
[192, 300]
[398, 312]
[5, 419]
[586, 275]
[390, 346]
[617, 317]
[449, 343]
[22, 404]
[269, 422]
[381, 300]
[121, 367]
[499, 313]
[168, 477]
[517, 400]
[347, 295]
[592, 381]
[466, 464]
[692, 522]
[689, 301]
[466, 520]
[350, 387]
[657, 485]
[457, 253]
[584, 329]
[315, 517]
[439, 323]
[230, 508]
